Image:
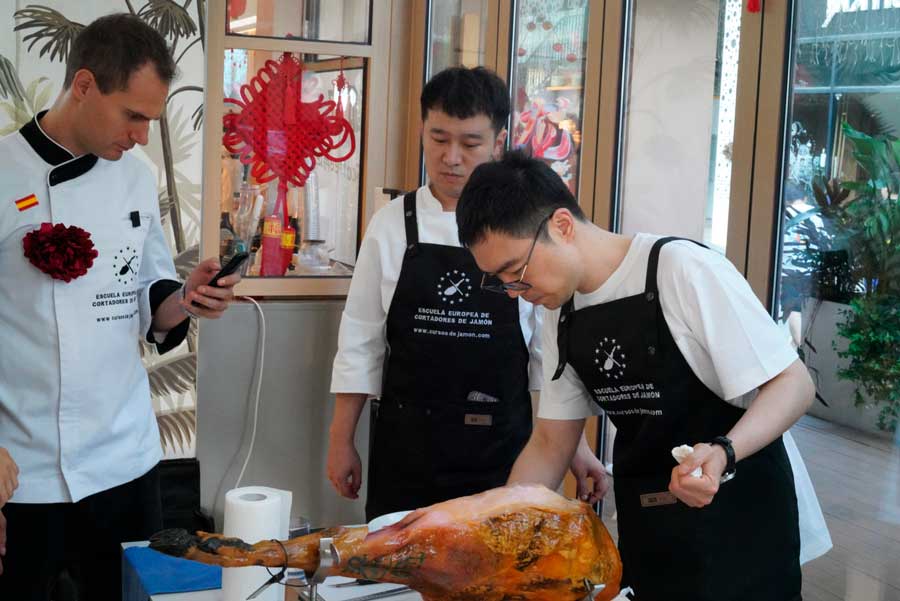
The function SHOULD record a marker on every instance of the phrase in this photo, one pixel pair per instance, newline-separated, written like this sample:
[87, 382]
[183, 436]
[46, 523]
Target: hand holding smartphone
[232, 266]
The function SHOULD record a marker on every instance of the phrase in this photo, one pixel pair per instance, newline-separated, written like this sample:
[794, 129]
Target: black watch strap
[725, 443]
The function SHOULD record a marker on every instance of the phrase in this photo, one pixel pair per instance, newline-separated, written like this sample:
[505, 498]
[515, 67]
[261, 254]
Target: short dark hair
[114, 47]
[462, 93]
[511, 196]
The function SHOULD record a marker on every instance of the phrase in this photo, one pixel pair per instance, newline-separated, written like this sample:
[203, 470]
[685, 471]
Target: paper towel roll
[254, 513]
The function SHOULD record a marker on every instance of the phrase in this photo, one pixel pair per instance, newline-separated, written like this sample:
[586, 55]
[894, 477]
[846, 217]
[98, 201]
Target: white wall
[670, 116]
[294, 412]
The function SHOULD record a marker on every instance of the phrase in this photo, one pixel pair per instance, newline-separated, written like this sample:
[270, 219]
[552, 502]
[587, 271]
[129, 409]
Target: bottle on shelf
[226, 237]
[226, 229]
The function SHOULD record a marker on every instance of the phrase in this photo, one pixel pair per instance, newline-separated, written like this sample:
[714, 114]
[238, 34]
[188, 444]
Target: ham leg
[520, 542]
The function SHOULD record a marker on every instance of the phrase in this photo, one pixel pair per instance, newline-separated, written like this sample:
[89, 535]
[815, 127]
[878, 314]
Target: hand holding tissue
[695, 481]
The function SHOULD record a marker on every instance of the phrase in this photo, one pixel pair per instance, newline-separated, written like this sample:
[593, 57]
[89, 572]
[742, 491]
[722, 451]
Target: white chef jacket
[724, 333]
[362, 340]
[75, 411]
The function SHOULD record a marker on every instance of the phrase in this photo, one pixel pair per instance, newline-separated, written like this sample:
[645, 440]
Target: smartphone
[233, 265]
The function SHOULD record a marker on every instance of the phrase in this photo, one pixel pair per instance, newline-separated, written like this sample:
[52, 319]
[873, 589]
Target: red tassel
[754, 6]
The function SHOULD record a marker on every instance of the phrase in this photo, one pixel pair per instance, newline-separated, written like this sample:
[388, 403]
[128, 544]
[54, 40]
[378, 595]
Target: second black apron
[745, 545]
[455, 410]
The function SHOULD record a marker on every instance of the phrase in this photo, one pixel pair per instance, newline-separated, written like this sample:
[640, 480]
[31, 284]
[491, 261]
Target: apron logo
[23, 204]
[610, 359]
[454, 287]
[126, 265]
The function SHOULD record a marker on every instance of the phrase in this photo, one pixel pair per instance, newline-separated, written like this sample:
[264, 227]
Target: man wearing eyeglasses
[451, 362]
[667, 338]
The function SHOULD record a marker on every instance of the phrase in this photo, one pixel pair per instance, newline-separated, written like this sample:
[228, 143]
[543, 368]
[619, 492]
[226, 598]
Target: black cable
[277, 578]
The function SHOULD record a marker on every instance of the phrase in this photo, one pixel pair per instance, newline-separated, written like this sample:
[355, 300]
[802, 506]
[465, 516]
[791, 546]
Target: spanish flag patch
[26, 203]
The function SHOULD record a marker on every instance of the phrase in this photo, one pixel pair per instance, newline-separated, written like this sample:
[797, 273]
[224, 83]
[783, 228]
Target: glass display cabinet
[289, 111]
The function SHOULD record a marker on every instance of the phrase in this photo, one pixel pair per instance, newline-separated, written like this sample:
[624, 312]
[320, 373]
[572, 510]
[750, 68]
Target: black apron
[455, 410]
[745, 545]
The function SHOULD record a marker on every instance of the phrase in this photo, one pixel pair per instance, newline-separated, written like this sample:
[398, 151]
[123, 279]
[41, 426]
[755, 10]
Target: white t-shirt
[362, 339]
[724, 333]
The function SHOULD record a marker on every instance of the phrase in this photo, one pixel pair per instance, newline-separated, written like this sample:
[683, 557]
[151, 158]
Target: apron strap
[562, 336]
[651, 295]
[411, 224]
[653, 262]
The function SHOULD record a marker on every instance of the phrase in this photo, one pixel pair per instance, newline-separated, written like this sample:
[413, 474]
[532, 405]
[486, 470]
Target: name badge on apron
[655, 499]
[474, 419]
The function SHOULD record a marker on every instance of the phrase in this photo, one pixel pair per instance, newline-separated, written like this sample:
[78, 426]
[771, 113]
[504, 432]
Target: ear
[82, 83]
[499, 144]
[561, 226]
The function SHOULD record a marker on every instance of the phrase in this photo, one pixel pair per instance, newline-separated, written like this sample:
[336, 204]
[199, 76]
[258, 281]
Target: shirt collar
[65, 165]
[430, 203]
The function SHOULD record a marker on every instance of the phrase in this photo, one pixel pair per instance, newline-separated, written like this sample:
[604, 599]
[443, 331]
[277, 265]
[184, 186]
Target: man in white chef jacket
[444, 427]
[9, 481]
[75, 409]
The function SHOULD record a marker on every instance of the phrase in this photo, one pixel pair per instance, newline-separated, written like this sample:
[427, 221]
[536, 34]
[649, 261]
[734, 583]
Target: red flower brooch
[63, 253]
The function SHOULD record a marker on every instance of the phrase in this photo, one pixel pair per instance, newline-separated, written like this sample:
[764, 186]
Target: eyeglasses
[493, 283]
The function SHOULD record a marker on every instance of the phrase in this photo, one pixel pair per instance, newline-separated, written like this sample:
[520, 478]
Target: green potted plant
[871, 326]
[852, 245]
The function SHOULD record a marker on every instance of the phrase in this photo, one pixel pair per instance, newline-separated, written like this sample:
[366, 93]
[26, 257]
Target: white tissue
[254, 513]
[683, 452]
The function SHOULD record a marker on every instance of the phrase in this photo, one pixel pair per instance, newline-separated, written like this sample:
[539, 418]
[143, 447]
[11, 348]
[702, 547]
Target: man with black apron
[451, 362]
[656, 332]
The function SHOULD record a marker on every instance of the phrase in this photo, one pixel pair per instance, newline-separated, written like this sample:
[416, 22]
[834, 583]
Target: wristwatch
[725, 443]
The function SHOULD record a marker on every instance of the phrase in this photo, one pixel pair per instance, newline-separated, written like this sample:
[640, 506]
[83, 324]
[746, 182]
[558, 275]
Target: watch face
[454, 287]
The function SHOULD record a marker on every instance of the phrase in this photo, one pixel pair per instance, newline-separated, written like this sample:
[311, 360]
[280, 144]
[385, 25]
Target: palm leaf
[51, 25]
[168, 18]
[17, 113]
[193, 332]
[31, 91]
[187, 261]
[10, 84]
[197, 116]
[173, 376]
[147, 349]
[176, 427]
[40, 101]
[165, 204]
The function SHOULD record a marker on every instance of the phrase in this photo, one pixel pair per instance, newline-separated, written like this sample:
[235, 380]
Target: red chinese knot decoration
[279, 134]
[754, 6]
[63, 253]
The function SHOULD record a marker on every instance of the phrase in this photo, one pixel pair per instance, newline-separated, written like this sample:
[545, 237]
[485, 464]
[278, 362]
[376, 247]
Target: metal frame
[373, 136]
[610, 114]
[744, 140]
[765, 200]
[418, 35]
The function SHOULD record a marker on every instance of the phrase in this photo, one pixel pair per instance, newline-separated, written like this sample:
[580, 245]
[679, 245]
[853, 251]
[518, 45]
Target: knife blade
[357, 582]
[382, 594]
